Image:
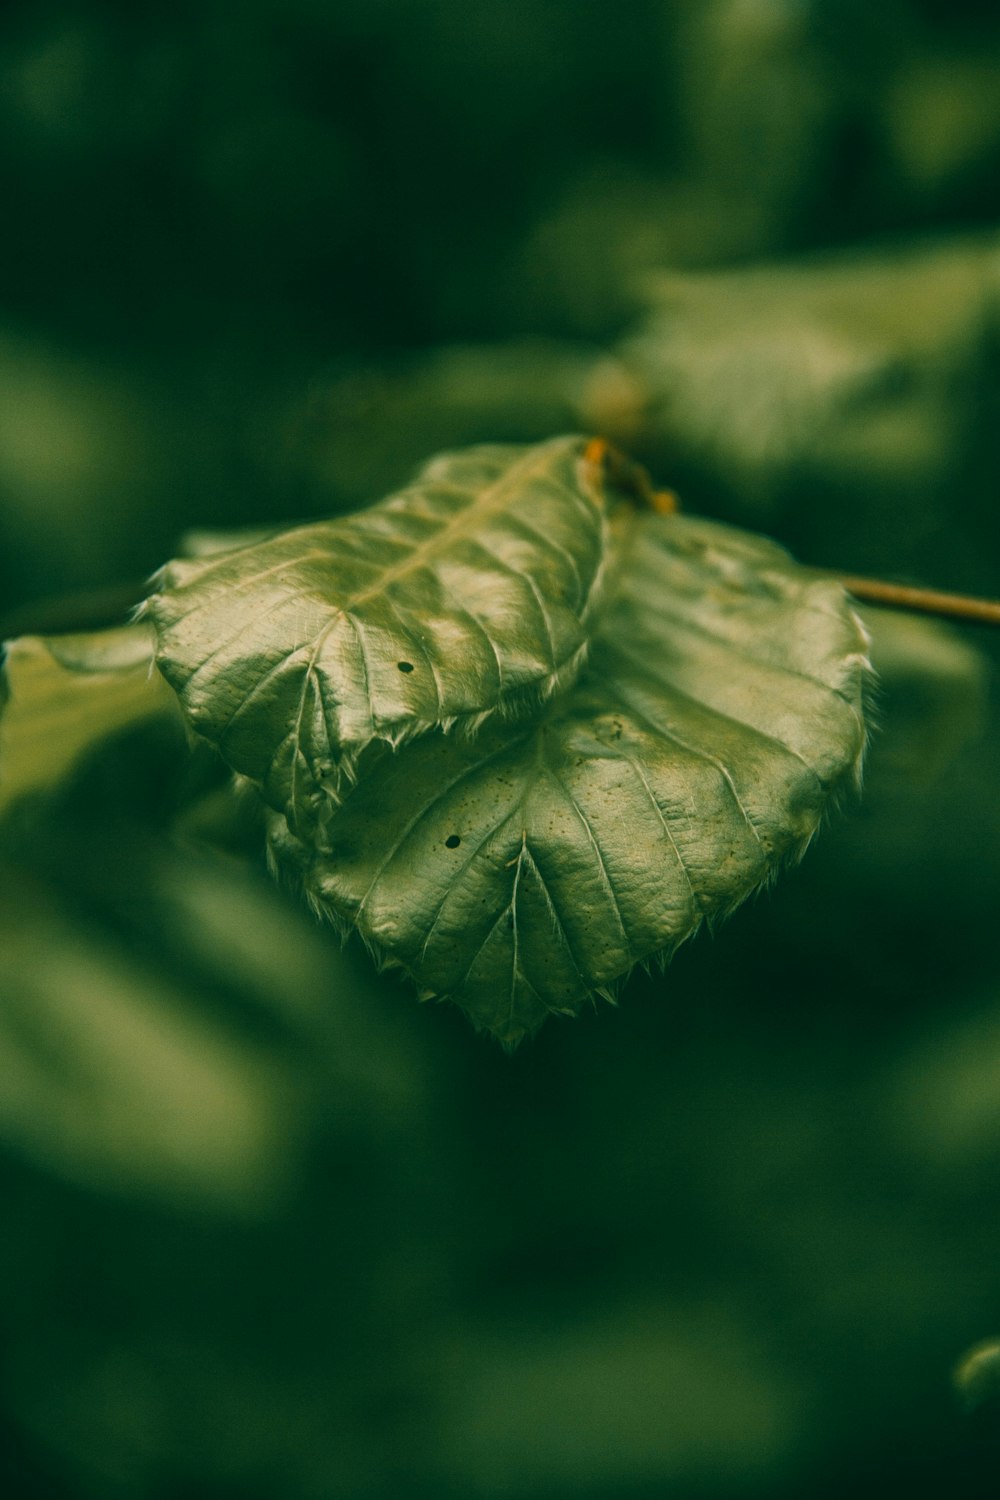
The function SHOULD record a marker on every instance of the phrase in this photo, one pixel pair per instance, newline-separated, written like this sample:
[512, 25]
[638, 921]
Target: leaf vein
[681, 861]
[513, 518]
[527, 579]
[663, 679]
[712, 760]
[553, 911]
[602, 865]
[694, 627]
[423, 812]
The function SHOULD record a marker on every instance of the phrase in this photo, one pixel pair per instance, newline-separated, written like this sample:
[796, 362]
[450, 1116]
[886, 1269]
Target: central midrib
[465, 521]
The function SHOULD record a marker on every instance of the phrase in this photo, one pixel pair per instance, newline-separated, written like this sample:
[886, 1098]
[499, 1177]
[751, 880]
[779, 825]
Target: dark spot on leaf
[405, 666]
[452, 841]
[510, 921]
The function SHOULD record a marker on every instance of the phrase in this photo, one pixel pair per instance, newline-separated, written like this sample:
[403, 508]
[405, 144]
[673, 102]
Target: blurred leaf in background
[61, 696]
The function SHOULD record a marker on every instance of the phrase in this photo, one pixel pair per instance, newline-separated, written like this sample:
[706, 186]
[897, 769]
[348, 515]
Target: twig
[922, 601]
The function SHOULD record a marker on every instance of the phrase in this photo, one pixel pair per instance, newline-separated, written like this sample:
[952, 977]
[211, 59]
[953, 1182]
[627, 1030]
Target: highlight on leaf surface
[464, 595]
[519, 872]
[61, 695]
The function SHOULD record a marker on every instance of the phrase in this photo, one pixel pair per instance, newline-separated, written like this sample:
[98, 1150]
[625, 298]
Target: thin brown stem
[923, 601]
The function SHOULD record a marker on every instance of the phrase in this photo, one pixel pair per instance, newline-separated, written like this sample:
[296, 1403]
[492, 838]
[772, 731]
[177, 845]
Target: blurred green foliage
[269, 1228]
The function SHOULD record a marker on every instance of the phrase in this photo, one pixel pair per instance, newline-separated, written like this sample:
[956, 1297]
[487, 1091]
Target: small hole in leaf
[452, 841]
[405, 666]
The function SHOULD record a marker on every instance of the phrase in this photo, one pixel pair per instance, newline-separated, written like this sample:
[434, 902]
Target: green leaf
[113, 1077]
[976, 1377]
[464, 594]
[855, 371]
[61, 695]
[519, 872]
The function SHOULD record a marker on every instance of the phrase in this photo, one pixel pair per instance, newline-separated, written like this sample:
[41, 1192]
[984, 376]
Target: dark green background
[268, 1227]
